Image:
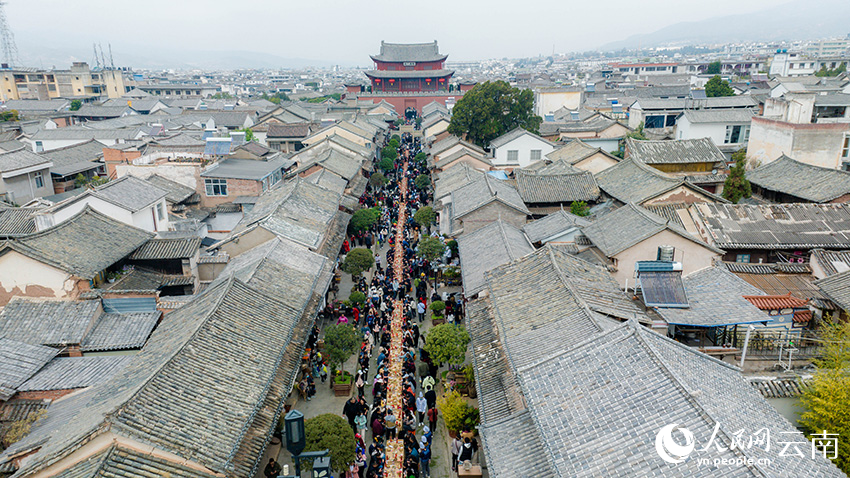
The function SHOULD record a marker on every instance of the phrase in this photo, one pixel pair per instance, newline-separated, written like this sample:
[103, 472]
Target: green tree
[457, 413]
[357, 298]
[249, 135]
[377, 179]
[737, 185]
[221, 95]
[420, 157]
[579, 208]
[825, 398]
[430, 249]
[386, 164]
[713, 68]
[9, 115]
[331, 432]
[490, 110]
[422, 181]
[76, 105]
[357, 261]
[437, 307]
[395, 138]
[364, 219]
[341, 340]
[446, 343]
[389, 153]
[425, 216]
[716, 86]
[452, 245]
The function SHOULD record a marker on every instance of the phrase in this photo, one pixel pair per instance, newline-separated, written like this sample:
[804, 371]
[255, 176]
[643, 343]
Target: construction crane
[10, 50]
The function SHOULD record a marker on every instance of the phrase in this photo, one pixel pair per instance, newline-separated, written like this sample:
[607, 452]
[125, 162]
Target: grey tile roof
[18, 362]
[280, 265]
[680, 151]
[83, 245]
[157, 249]
[179, 139]
[129, 192]
[395, 52]
[20, 159]
[17, 221]
[715, 298]
[621, 229]
[556, 188]
[571, 153]
[235, 168]
[75, 159]
[512, 135]
[541, 299]
[775, 226]
[622, 387]
[120, 331]
[122, 462]
[454, 178]
[341, 164]
[327, 180]
[805, 181]
[28, 106]
[47, 322]
[484, 249]
[730, 116]
[837, 288]
[141, 279]
[832, 262]
[634, 181]
[102, 111]
[292, 130]
[668, 211]
[553, 224]
[296, 210]
[175, 192]
[450, 141]
[66, 373]
[186, 392]
[744, 101]
[447, 160]
[86, 134]
[482, 191]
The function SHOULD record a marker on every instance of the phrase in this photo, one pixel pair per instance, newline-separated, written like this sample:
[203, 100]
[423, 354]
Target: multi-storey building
[79, 81]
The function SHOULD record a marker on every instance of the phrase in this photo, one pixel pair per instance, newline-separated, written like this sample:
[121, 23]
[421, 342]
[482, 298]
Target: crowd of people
[414, 422]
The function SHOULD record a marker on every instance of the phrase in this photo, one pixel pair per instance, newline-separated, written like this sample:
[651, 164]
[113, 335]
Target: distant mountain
[798, 20]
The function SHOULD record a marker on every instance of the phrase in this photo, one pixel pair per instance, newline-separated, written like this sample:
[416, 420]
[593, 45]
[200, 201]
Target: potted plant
[437, 308]
[469, 375]
[330, 432]
[457, 414]
[341, 341]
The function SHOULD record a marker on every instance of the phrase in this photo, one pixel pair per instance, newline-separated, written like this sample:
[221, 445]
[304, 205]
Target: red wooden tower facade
[415, 67]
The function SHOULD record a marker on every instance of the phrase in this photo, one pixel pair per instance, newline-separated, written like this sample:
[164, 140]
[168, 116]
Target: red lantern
[392, 81]
[442, 80]
[378, 80]
[427, 80]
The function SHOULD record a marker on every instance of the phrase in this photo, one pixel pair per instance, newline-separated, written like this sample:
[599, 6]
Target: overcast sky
[345, 31]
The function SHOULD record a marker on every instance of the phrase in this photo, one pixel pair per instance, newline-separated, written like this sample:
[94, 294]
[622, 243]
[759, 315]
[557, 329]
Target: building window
[536, 154]
[160, 211]
[737, 134]
[845, 148]
[216, 187]
[39, 180]
[513, 156]
[39, 147]
[744, 258]
[654, 121]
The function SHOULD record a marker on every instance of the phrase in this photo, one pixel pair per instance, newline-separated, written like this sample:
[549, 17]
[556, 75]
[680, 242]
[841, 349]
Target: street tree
[422, 182]
[331, 432]
[357, 261]
[430, 249]
[446, 343]
[377, 179]
[492, 109]
[425, 216]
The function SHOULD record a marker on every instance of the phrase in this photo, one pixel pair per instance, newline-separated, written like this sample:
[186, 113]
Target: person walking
[421, 408]
[420, 309]
[425, 458]
[390, 423]
[456, 446]
[351, 410]
[432, 418]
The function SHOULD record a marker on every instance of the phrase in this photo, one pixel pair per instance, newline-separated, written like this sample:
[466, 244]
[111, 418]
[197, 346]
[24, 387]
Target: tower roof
[399, 52]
